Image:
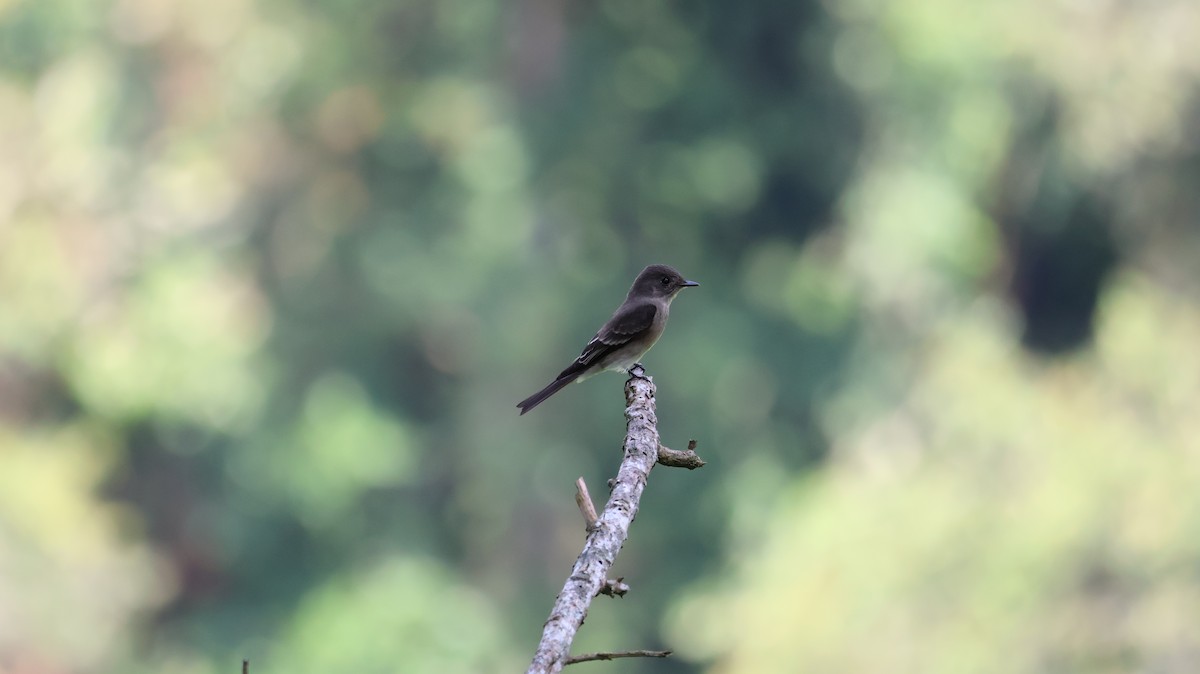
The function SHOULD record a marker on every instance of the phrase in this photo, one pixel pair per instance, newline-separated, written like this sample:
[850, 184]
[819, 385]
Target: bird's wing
[626, 324]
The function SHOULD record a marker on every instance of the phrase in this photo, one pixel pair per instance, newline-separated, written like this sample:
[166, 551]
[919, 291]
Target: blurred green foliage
[275, 272]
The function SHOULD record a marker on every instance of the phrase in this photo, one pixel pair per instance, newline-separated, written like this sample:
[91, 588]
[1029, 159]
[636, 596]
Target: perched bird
[634, 327]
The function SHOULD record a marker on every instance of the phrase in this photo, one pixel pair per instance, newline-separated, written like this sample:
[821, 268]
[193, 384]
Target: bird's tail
[537, 398]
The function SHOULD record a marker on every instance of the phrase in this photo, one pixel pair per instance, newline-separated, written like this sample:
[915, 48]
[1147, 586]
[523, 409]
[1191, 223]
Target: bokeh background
[273, 274]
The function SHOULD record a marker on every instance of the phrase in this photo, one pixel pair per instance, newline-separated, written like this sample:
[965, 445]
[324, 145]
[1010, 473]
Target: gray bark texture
[605, 539]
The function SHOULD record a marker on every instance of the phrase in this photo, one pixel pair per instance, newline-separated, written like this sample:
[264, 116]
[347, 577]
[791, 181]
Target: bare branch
[584, 500]
[588, 657]
[680, 459]
[614, 588]
[605, 539]
[245, 667]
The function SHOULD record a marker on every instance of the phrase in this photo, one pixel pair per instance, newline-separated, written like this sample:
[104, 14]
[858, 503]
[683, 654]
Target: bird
[633, 328]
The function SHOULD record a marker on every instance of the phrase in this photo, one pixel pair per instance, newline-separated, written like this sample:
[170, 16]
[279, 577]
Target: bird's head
[659, 280]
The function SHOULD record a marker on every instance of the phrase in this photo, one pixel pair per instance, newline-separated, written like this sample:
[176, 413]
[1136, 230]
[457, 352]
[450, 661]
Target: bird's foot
[637, 371]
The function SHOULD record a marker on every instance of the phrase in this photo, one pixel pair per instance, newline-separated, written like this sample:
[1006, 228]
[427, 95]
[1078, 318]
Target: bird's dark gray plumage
[633, 328]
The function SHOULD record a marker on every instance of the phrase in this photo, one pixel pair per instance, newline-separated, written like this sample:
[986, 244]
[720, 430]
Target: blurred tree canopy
[275, 272]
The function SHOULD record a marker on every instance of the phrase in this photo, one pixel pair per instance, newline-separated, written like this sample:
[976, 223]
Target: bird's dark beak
[688, 284]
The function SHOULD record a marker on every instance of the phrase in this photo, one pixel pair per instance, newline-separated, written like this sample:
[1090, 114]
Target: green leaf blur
[274, 274]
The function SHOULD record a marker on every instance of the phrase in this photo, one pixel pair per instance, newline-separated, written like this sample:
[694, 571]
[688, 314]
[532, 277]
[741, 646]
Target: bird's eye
[666, 280]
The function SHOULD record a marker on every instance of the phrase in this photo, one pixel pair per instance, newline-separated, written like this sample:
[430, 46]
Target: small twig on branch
[588, 657]
[614, 588]
[677, 459]
[584, 500]
[245, 667]
[604, 540]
